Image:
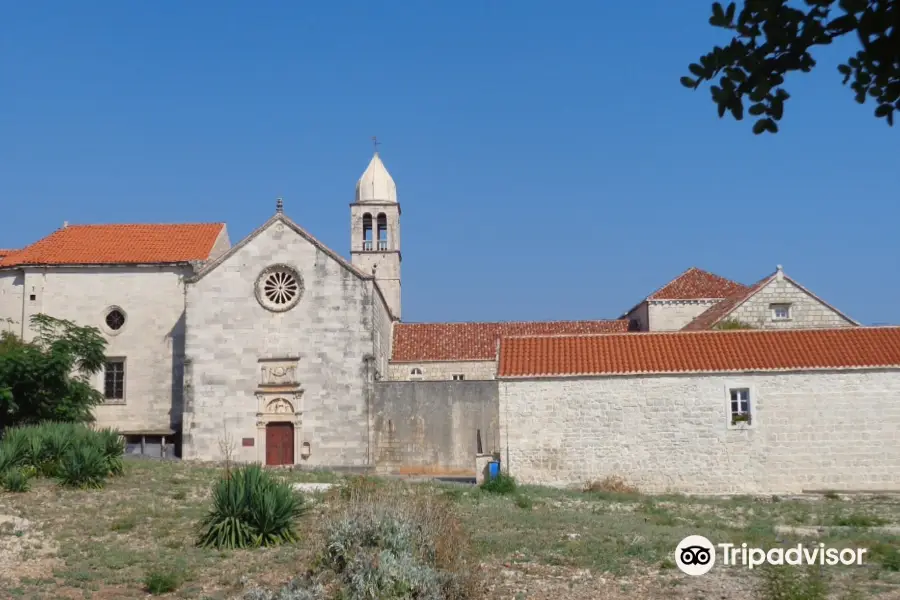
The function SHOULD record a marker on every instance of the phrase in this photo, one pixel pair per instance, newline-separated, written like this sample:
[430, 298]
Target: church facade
[279, 350]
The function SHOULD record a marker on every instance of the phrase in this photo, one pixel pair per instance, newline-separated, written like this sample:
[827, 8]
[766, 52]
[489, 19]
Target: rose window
[279, 288]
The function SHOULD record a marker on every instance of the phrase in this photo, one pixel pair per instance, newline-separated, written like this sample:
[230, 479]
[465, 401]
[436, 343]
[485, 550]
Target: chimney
[65, 224]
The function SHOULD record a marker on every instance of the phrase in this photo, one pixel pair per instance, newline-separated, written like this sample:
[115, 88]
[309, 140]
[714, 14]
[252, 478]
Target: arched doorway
[279, 443]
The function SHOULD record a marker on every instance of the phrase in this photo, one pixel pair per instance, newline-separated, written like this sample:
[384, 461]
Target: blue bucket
[494, 469]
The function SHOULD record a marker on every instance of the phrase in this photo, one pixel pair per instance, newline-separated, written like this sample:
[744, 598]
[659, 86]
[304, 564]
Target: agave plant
[57, 440]
[250, 508]
[16, 443]
[112, 445]
[83, 466]
[14, 480]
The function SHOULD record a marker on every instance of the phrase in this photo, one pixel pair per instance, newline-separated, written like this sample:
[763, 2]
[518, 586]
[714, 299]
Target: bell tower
[375, 230]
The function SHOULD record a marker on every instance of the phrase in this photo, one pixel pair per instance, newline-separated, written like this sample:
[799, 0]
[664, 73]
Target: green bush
[791, 583]
[14, 480]
[502, 484]
[298, 589]
[73, 453]
[83, 466]
[161, 582]
[251, 508]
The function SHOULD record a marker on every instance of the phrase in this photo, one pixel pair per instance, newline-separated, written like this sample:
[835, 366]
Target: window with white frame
[740, 406]
[458, 377]
[781, 312]
[415, 373]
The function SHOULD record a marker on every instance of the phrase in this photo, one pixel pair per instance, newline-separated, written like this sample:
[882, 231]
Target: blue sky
[549, 164]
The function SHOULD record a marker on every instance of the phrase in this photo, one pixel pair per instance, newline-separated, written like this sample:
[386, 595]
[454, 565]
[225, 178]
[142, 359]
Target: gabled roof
[697, 284]
[123, 244]
[420, 342]
[694, 284]
[700, 352]
[716, 313]
[6, 252]
[279, 216]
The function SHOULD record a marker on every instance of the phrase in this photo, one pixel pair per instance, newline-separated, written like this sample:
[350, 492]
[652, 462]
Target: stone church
[278, 349]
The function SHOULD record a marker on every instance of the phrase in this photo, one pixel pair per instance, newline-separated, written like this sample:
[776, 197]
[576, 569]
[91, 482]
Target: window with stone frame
[416, 373]
[459, 377]
[114, 381]
[740, 406]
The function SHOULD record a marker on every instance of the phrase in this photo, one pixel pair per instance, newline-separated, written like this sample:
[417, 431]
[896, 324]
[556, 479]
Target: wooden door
[279, 444]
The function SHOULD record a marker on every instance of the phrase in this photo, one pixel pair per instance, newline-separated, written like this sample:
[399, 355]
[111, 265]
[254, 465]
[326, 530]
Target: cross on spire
[375, 143]
[279, 206]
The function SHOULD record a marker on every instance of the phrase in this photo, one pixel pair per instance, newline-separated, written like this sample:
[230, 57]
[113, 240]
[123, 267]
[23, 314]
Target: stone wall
[323, 344]
[672, 315]
[814, 430]
[151, 340]
[806, 311]
[471, 370]
[432, 427]
[11, 290]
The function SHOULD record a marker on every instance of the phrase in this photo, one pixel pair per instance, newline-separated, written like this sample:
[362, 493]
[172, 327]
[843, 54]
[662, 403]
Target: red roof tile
[415, 342]
[119, 244]
[697, 284]
[6, 252]
[703, 352]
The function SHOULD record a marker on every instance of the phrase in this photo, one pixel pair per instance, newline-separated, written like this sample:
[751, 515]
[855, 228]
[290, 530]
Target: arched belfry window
[367, 232]
[382, 232]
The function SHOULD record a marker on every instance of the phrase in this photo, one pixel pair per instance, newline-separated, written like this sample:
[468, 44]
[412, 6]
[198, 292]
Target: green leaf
[757, 109]
[697, 70]
[759, 127]
[844, 69]
[884, 110]
[688, 82]
[842, 24]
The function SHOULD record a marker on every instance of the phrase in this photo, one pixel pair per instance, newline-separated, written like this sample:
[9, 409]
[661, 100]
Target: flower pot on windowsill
[740, 418]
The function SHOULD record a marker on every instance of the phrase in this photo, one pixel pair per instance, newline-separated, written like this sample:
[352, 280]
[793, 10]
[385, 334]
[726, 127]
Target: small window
[458, 377]
[415, 373]
[32, 297]
[114, 381]
[115, 319]
[740, 406]
[781, 312]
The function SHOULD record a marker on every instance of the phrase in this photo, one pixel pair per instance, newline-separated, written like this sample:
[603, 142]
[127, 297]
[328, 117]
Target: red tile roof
[700, 352]
[697, 284]
[416, 342]
[119, 244]
[6, 252]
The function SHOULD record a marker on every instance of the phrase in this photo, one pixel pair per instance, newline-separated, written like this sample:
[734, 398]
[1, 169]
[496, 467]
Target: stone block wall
[806, 311]
[672, 315]
[327, 336]
[836, 430]
[432, 427]
[151, 340]
[471, 370]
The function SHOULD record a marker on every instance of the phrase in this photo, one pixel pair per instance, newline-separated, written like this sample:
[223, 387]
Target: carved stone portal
[279, 406]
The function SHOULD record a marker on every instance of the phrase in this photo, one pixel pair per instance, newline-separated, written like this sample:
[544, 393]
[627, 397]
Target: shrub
[14, 480]
[298, 589]
[162, 582]
[502, 484]
[60, 450]
[83, 466]
[250, 509]
[398, 542]
[612, 484]
[791, 583]
[887, 555]
[524, 502]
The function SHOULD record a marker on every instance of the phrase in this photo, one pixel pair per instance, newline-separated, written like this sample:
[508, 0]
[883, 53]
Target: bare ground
[536, 544]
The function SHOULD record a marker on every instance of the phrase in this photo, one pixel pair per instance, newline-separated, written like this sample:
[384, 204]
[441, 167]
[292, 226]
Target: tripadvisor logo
[696, 555]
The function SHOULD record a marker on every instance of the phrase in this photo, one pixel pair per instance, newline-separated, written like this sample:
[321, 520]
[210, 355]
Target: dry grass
[610, 542]
[611, 484]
